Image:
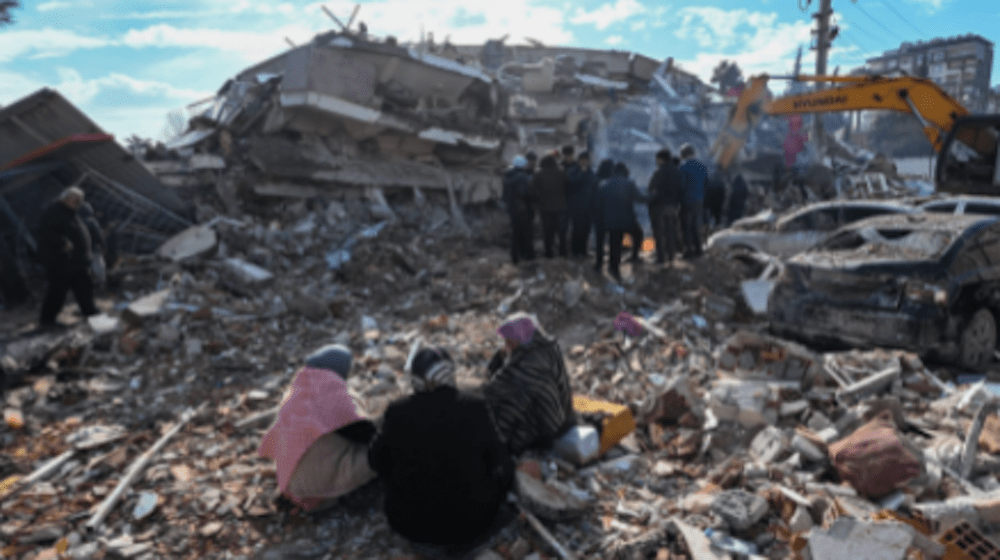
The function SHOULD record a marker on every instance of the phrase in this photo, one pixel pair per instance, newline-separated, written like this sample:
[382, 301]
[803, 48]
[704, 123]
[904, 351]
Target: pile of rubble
[134, 435]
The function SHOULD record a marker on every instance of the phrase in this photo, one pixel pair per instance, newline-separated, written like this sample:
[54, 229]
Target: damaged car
[929, 283]
[784, 236]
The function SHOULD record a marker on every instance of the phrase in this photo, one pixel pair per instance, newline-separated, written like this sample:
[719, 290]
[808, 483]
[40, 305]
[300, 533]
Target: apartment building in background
[961, 65]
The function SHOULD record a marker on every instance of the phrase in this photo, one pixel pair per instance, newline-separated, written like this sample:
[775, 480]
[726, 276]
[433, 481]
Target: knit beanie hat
[333, 357]
[432, 368]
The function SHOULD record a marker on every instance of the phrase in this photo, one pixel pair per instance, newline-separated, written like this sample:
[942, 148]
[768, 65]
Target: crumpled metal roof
[46, 117]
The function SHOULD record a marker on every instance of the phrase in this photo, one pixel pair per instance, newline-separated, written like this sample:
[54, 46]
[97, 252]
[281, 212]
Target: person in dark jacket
[568, 157]
[581, 187]
[618, 198]
[530, 210]
[604, 172]
[715, 199]
[737, 198]
[664, 205]
[528, 391]
[515, 196]
[446, 470]
[548, 186]
[65, 251]
[695, 176]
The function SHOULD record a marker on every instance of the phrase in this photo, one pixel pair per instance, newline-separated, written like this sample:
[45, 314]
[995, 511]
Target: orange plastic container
[617, 419]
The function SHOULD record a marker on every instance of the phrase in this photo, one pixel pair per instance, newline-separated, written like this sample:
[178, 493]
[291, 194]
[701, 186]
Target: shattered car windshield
[894, 243]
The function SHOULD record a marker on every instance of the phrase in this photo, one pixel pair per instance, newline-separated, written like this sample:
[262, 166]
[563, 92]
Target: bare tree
[6, 11]
[728, 75]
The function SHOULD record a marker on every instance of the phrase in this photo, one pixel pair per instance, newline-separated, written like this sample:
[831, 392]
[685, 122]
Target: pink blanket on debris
[317, 405]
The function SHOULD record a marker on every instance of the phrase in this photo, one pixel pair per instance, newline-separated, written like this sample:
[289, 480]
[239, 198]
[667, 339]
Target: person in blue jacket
[695, 175]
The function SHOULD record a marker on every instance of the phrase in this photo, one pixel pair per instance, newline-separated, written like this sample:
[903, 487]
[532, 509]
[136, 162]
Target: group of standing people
[445, 454]
[569, 195]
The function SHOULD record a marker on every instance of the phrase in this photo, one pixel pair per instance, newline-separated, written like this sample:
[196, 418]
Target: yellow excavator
[966, 145]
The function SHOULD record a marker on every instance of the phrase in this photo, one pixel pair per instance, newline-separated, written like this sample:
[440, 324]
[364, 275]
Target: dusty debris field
[135, 436]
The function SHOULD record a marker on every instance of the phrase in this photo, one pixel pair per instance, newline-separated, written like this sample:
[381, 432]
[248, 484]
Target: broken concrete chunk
[92, 437]
[851, 538]
[103, 323]
[192, 242]
[145, 505]
[546, 500]
[801, 521]
[768, 445]
[243, 276]
[146, 306]
[739, 508]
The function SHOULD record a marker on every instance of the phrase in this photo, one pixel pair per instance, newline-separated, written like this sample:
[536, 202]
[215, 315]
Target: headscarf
[627, 324]
[432, 368]
[519, 327]
[317, 403]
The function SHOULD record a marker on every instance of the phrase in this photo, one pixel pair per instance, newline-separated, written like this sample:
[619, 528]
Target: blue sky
[127, 64]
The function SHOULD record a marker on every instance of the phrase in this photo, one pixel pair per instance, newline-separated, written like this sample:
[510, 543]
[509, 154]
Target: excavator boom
[932, 106]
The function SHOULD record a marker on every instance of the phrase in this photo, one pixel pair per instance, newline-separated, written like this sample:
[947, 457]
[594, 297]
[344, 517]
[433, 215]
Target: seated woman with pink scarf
[320, 439]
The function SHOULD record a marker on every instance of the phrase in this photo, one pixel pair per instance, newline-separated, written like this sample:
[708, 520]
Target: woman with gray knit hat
[445, 470]
[320, 440]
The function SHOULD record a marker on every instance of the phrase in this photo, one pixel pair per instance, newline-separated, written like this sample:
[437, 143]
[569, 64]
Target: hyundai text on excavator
[968, 159]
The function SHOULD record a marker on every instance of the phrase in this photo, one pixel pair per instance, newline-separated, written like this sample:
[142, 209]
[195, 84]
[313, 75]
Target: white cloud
[47, 42]
[614, 40]
[252, 46]
[207, 12]
[608, 14]
[404, 20]
[639, 25]
[49, 6]
[129, 90]
[755, 40]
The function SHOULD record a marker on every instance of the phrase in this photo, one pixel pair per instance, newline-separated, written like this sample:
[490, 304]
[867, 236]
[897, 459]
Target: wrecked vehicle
[922, 282]
[964, 205]
[797, 231]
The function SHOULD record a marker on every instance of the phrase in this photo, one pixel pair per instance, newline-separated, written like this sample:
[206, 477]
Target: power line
[858, 6]
[851, 38]
[865, 31]
[915, 28]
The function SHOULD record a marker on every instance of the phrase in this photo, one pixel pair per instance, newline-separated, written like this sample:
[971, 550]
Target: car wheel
[978, 341]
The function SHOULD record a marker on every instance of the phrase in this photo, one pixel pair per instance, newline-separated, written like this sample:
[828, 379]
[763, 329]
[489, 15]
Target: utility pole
[822, 32]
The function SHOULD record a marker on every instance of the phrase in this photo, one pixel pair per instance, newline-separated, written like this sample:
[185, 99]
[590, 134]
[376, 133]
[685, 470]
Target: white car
[799, 230]
[964, 205]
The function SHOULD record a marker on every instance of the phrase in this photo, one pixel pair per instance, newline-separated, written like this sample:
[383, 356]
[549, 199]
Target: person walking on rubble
[445, 468]
[619, 195]
[65, 251]
[528, 391]
[548, 187]
[664, 206]
[581, 187]
[319, 441]
[695, 176]
[515, 196]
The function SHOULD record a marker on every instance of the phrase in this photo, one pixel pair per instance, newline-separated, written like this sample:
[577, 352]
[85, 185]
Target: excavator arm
[932, 106]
